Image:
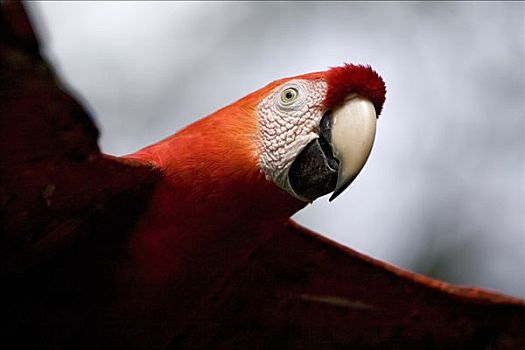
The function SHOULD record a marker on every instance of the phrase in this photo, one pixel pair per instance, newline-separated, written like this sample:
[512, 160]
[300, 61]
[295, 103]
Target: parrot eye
[289, 95]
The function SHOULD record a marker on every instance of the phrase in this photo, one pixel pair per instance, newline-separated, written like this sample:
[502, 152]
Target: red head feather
[351, 78]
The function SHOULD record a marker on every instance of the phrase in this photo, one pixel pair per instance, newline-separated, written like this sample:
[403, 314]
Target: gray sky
[443, 191]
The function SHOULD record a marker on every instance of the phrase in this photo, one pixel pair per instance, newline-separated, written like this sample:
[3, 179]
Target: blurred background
[443, 191]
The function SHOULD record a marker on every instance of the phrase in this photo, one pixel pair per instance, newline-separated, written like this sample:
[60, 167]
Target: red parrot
[188, 243]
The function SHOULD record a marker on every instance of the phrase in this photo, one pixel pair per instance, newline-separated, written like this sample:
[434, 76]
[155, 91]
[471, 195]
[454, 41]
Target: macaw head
[309, 135]
[316, 131]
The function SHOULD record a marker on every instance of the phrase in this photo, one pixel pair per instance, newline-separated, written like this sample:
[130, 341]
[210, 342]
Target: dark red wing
[53, 178]
[302, 291]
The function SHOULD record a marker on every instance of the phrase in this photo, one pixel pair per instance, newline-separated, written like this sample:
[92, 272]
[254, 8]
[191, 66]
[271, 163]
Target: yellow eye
[289, 95]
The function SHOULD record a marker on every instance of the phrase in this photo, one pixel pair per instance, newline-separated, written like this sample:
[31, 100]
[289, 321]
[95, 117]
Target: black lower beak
[314, 172]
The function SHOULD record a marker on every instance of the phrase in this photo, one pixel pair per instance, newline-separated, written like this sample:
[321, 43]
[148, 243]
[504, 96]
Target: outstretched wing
[302, 291]
[53, 178]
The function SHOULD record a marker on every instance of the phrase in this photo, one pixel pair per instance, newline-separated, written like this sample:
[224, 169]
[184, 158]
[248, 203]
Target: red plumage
[359, 79]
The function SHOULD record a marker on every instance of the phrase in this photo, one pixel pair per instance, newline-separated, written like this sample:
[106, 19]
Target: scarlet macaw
[188, 243]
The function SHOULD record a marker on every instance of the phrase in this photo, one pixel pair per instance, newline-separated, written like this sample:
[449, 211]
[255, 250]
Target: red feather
[359, 79]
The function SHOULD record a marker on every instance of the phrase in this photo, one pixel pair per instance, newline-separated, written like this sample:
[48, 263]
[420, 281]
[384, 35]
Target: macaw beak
[332, 161]
[353, 134]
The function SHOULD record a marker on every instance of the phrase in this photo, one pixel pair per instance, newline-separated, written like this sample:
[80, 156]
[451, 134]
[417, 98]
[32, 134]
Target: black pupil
[289, 95]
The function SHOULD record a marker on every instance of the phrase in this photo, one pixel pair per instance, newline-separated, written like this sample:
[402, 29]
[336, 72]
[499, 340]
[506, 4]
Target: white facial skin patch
[288, 120]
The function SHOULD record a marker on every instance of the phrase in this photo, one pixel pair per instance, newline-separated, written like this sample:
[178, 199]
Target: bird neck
[212, 195]
[208, 213]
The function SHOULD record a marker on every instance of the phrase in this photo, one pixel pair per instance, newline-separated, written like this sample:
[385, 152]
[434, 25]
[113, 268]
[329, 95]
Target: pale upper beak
[352, 137]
